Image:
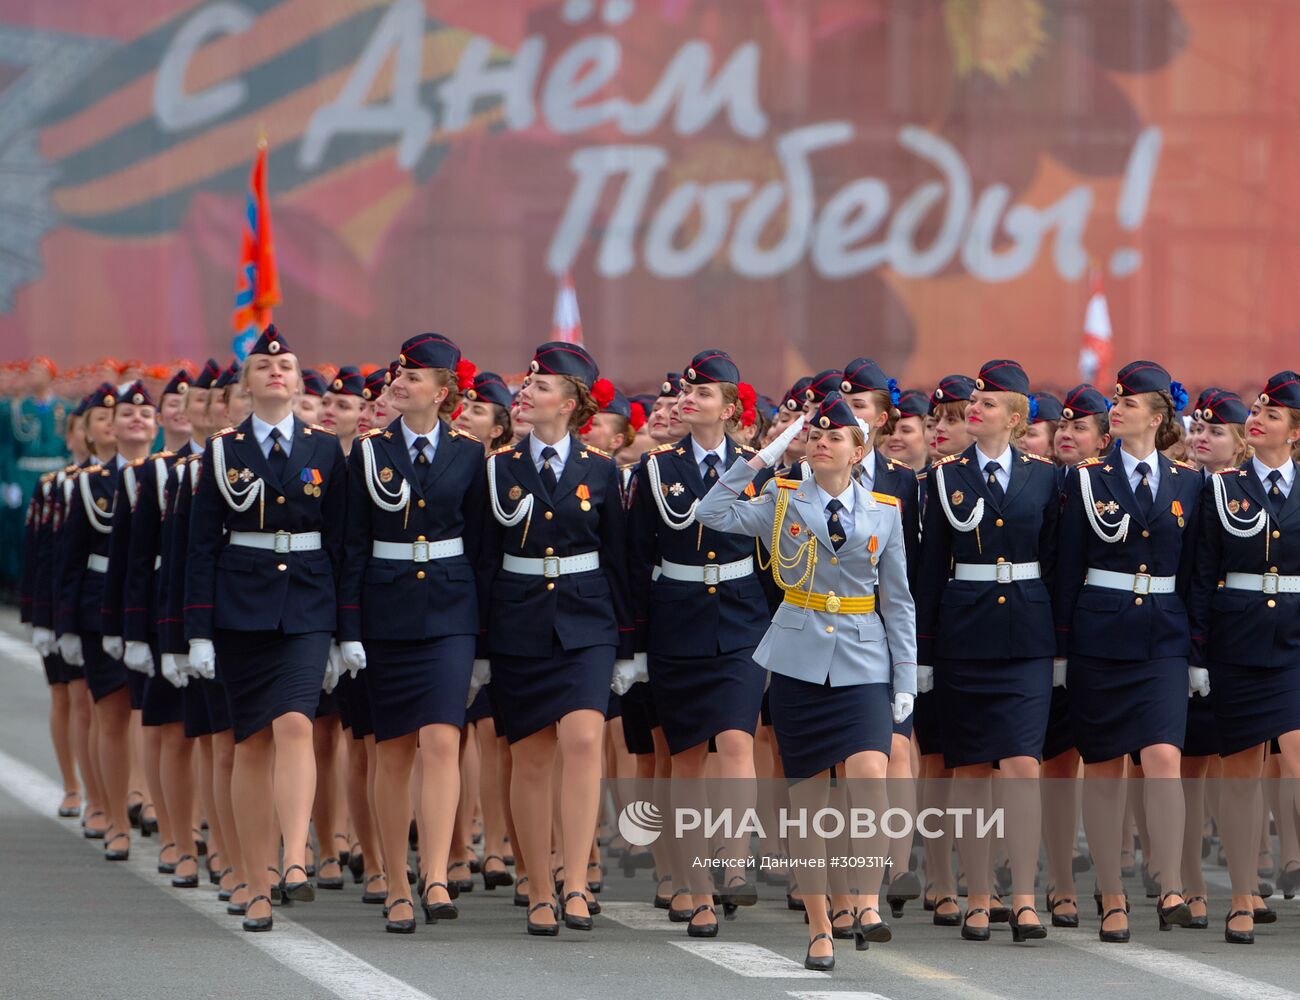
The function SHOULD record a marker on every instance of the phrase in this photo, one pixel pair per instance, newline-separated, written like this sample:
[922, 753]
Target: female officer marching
[829, 693]
[409, 611]
[555, 565]
[985, 625]
[1243, 610]
[1124, 561]
[703, 613]
[260, 600]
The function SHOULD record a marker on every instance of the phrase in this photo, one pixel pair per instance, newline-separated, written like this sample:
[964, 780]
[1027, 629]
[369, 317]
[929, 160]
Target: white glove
[139, 657]
[43, 641]
[1058, 671]
[333, 668]
[480, 674]
[70, 650]
[773, 452]
[354, 657]
[629, 672]
[924, 680]
[1198, 682]
[112, 645]
[202, 659]
[172, 672]
[902, 706]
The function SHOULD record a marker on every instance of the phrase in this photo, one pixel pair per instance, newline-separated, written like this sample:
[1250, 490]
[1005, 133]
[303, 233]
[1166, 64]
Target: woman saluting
[260, 600]
[832, 656]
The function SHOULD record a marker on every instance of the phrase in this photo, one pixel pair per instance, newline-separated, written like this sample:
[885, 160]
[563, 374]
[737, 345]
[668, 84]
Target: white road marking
[1180, 968]
[295, 947]
[833, 995]
[639, 917]
[749, 960]
[21, 653]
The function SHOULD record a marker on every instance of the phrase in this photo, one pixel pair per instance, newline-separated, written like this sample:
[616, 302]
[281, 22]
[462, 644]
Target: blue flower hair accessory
[1179, 395]
[894, 393]
[1033, 409]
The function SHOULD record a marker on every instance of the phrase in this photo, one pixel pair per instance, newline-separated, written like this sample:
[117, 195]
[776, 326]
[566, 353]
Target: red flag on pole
[566, 324]
[1094, 355]
[257, 287]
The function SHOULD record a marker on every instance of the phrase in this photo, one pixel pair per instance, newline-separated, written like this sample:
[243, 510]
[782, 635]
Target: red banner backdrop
[931, 183]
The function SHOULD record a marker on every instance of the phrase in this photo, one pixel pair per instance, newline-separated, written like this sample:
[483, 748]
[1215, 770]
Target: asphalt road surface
[72, 925]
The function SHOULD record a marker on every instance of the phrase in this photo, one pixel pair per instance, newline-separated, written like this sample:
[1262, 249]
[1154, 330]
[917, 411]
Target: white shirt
[1130, 470]
[702, 453]
[1288, 476]
[1003, 473]
[561, 447]
[846, 512]
[119, 462]
[195, 447]
[432, 437]
[262, 432]
[868, 467]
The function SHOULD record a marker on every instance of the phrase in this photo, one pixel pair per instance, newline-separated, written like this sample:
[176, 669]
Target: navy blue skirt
[481, 707]
[614, 709]
[1060, 727]
[104, 675]
[532, 693]
[194, 703]
[328, 703]
[135, 682]
[818, 726]
[267, 674]
[698, 697]
[639, 719]
[1253, 705]
[214, 693]
[164, 703]
[925, 723]
[354, 706]
[417, 684]
[994, 709]
[1121, 706]
[1202, 736]
[59, 672]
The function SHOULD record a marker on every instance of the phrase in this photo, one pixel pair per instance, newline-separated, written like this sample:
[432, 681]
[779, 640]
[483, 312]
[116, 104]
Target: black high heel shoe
[73, 811]
[544, 930]
[433, 912]
[114, 854]
[927, 901]
[594, 885]
[1178, 915]
[521, 894]
[258, 923]
[874, 933]
[702, 930]
[461, 884]
[1026, 932]
[296, 892]
[374, 896]
[1063, 919]
[838, 932]
[947, 919]
[740, 892]
[1238, 937]
[275, 883]
[1288, 879]
[406, 926]
[576, 922]
[223, 895]
[330, 882]
[819, 963]
[999, 912]
[1202, 922]
[662, 902]
[135, 809]
[1265, 915]
[148, 825]
[970, 933]
[190, 881]
[233, 908]
[166, 867]
[907, 886]
[492, 880]
[88, 831]
[1096, 897]
[357, 866]
[675, 915]
[1113, 937]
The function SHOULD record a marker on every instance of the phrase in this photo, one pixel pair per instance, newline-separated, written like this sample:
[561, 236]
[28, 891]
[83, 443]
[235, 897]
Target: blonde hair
[731, 395]
[884, 401]
[447, 377]
[587, 406]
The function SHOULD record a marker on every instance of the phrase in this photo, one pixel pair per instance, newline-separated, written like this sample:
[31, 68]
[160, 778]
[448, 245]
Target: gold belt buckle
[832, 603]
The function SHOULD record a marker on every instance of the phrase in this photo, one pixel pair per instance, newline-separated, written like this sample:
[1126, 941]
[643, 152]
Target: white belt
[277, 541]
[551, 566]
[418, 551]
[1263, 583]
[1136, 583]
[1003, 572]
[97, 564]
[710, 573]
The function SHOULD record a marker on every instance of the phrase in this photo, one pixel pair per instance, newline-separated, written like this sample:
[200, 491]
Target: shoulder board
[323, 430]
[502, 450]
[49, 477]
[104, 472]
[946, 460]
[786, 484]
[661, 449]
[160, 454]
[745, 449]
[885, 498]
[70, 468]
[224, 431]
[1037, 458]
[371, 433]
[628, 466]
[923, 474]
[1087, 462]
[1185, 465]
[597, 451]
[457, 432]
[138, 462]
[1229, 472]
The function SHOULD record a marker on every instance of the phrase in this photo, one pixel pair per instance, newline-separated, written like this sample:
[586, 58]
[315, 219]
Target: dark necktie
[1275, 496]
[1143, 493]
[711, 460]
[833, 527]
[421, 461]
[995, 488]
[549, 482]
[277, 459]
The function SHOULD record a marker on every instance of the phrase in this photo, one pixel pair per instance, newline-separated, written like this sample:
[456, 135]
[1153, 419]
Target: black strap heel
[1178, 915]
[970, 933]
[1028, 932]
[1113, 937]
[819, 963]
[186, 881]
[254, 924]
[433, 912]
[406, 926]
[864, 935]
[544, 930]
[1238, 937]
[702, 930]
[572, 921]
